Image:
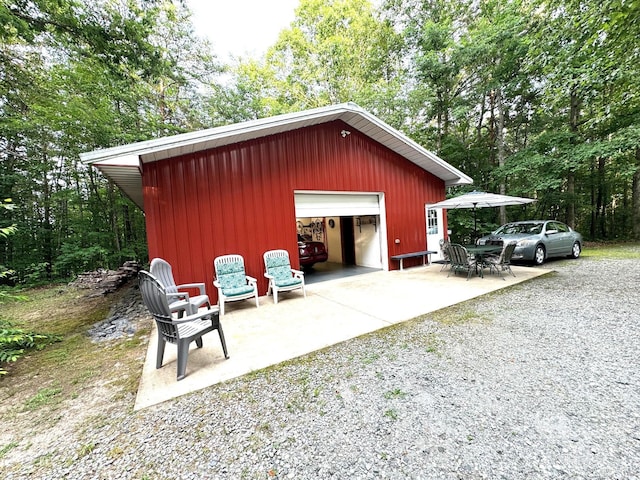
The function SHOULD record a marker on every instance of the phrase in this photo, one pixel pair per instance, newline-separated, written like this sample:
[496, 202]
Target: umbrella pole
[475, 225]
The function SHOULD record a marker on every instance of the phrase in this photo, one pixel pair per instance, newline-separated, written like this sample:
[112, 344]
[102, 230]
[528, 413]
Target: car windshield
[515, 228]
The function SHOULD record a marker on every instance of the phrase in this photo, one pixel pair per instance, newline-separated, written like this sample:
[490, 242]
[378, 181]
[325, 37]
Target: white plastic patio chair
[282, 278]
[232, 282]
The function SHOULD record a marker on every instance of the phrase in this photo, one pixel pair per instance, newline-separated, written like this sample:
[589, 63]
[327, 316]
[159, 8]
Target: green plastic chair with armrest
[460, 260]
[502, 263]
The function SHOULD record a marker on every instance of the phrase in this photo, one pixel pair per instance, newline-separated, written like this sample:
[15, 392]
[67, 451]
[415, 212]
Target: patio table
[480, 252]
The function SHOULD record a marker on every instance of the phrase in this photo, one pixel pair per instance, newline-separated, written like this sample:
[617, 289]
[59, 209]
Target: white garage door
[336, 204]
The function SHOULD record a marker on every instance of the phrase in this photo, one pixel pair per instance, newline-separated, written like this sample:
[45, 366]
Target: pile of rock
[123, 318]
[127, 313]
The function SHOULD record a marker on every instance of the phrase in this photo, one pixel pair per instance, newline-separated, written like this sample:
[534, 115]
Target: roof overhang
[123, 164]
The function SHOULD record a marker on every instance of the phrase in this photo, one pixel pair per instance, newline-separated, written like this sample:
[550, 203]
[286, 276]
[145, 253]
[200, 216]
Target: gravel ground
[540, 381]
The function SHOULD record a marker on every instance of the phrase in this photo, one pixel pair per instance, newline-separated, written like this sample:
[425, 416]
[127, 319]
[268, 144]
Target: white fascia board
[122, 160]
[193, 138]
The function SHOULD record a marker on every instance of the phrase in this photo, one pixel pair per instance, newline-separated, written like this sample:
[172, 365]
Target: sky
[241, 27]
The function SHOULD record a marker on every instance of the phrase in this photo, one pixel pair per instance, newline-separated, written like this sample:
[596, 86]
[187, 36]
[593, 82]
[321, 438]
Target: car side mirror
[551, 232]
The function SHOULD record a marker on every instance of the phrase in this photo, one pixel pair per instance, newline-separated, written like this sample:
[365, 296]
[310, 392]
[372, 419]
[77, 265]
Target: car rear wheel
[538, 257]
[575, 250]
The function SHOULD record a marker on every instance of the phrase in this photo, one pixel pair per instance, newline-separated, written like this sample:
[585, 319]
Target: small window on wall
[432, 222]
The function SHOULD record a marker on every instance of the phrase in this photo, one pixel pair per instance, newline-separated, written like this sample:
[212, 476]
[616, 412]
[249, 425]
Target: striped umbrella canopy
[478, 199]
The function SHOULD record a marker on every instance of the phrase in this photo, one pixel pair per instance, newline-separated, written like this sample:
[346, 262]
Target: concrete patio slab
[334, 311]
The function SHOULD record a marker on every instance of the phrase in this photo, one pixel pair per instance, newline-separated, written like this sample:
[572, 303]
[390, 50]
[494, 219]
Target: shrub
[14, 342]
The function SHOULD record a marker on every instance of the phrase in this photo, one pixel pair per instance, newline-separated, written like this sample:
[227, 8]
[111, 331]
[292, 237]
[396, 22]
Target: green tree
[590, 101]
[77, 76]
[334, 51]
[532, 98]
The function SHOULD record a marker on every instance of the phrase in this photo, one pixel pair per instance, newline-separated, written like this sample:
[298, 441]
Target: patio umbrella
[478, 199]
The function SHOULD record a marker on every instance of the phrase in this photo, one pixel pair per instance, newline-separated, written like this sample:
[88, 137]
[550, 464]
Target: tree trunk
[592, 191]
[600, 200]
[481, 118]
[501, 149]
[47, 230]
[635, 199]
[574, 117]
[439, 120]
[113, 216]
[492, 127]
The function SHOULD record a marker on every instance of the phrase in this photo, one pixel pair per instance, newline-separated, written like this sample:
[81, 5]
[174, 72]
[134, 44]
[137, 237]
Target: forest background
[535, 98]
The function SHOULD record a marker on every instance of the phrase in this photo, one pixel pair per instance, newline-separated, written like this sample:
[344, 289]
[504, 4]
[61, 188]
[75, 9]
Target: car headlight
[525, 243]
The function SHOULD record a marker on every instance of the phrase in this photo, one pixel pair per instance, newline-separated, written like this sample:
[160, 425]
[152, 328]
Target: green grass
[7, 448]
[615, 251]
[86, 449]
[370, 358]
[433, 343]
[41, 385]
[45, 396]
[391, 413]
[457, 315]
[395, 393]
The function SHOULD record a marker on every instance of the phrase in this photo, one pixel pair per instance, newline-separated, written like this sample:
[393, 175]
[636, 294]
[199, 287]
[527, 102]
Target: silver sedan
[538, 240]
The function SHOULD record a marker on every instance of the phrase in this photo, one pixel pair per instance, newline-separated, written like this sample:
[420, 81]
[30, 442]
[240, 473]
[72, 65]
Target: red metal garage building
[246, 188]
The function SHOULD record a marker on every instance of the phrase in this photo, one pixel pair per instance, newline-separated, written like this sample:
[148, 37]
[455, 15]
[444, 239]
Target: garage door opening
[336, 247]
[351, 227]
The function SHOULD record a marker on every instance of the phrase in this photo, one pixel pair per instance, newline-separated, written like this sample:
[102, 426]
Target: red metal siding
[240, 198]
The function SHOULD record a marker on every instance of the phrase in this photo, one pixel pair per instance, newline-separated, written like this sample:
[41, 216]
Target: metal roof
[123, 164]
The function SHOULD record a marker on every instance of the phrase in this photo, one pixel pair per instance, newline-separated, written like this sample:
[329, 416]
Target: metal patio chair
[444, 253]
[461, 261]
[282, 278]
[179, 301]
[502, 263]
[232, 282]
[179, 331]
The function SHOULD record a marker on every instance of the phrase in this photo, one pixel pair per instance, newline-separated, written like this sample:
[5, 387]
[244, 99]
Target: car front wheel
[538, 257]
[575, 250]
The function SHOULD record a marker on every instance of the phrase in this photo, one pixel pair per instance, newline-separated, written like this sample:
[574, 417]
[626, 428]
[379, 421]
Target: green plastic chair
[502, 263]
[461, 261]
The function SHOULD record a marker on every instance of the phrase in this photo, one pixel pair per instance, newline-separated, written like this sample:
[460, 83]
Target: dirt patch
[51, 396]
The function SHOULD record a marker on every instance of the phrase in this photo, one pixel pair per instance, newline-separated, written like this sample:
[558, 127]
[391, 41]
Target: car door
[564, 239]
[553, 239]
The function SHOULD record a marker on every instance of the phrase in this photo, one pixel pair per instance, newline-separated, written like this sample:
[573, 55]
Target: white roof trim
[117, 162]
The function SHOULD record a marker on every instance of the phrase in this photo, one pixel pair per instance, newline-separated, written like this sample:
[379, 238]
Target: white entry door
[435, 231]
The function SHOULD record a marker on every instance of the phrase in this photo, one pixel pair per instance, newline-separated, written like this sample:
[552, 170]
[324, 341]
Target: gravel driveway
[540, 381]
